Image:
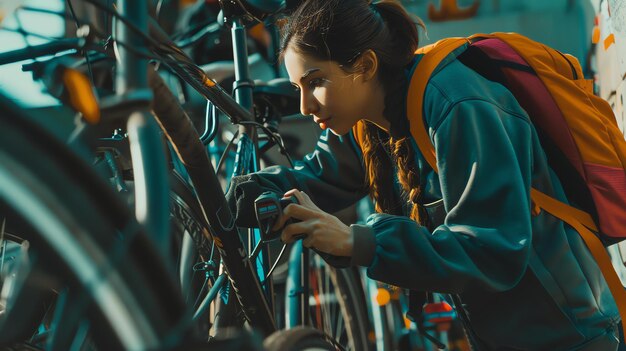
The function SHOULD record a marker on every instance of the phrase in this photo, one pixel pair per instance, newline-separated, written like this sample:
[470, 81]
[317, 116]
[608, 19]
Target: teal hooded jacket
[526, 282]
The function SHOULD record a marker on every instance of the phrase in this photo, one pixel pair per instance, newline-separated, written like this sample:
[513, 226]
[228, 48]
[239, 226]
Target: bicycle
[244, 147]
[79, 256]
[251, 296]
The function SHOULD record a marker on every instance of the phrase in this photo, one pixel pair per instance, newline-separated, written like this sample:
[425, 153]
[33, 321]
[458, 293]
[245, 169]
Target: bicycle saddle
[278, 95]
[277, 86]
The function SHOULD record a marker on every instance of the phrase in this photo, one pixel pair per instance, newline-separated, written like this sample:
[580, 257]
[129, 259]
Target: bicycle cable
[125, 20]
[73, 13]
[228, 147]
[270, 134]
[280, 255]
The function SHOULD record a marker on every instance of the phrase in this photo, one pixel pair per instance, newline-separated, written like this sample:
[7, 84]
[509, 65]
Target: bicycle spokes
[326, 304]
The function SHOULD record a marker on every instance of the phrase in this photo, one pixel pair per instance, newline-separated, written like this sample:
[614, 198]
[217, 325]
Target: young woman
[526, 282]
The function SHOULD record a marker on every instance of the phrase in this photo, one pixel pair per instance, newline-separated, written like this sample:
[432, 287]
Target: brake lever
[269, 208]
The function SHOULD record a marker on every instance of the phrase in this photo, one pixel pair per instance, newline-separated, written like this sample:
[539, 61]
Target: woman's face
[336, 99]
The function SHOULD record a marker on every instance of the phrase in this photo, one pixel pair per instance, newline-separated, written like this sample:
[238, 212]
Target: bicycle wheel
[336, 302]
[195, 256]
[298, 339]
[80, 249]
[191, 248]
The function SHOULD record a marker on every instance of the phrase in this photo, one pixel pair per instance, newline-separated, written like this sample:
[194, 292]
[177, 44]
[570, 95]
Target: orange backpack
[577, 129]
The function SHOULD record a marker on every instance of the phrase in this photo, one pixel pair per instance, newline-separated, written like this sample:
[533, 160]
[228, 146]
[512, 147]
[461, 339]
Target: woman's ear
[367, 64]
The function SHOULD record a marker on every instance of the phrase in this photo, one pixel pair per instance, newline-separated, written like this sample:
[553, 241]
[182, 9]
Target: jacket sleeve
[484, 161]
[332, 175]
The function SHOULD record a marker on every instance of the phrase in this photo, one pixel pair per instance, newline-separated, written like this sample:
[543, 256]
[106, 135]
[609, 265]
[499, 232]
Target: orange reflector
[218, 242]
[382, 296]
[595, 36]
[81, 95]
[407, 323]
[608, 41]
[208, 82]
[371, 336]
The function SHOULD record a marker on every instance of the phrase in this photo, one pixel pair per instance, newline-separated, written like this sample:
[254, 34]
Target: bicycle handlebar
[35, 51]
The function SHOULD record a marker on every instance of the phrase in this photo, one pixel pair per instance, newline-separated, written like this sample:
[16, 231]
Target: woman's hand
[323, 231]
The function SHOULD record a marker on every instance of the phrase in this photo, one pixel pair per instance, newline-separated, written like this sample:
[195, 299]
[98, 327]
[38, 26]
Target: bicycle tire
[298, 339]
[86, 239]
[340, 288]
[191, 248]
[349, 288]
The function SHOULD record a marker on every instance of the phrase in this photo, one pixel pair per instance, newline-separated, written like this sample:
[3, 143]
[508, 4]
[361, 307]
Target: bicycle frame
[149, 168]
[254, 300]
[241, 270]
[133, 85]
[246, 162]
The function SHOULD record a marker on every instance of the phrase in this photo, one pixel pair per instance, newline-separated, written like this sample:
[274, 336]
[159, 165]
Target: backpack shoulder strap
[433, 55]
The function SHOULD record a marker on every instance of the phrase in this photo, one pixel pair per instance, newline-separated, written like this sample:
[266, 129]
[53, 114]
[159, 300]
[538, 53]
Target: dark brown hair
[340, 30]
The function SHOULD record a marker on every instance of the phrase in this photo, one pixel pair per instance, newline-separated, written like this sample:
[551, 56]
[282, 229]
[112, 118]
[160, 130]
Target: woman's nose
[308, 104]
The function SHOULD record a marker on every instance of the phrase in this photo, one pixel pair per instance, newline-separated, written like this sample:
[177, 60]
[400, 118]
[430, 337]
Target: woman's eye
[313, 83]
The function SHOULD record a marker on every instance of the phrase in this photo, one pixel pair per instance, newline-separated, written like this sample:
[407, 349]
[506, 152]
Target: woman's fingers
[317, 228]
[307, 214]
[302, 197]
[291, 192]
[294, 231]
[280, 222]
[300, 212]
[308, 241]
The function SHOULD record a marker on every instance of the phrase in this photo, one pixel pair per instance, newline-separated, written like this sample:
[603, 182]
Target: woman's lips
[323, 123]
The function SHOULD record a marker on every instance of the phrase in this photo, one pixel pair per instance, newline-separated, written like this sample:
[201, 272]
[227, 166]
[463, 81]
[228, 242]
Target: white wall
[562, 24]
[16, 84]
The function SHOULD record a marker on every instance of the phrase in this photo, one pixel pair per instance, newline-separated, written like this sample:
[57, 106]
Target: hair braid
[400, 143]
[377, 164]
[408, 176]
[376, 156]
